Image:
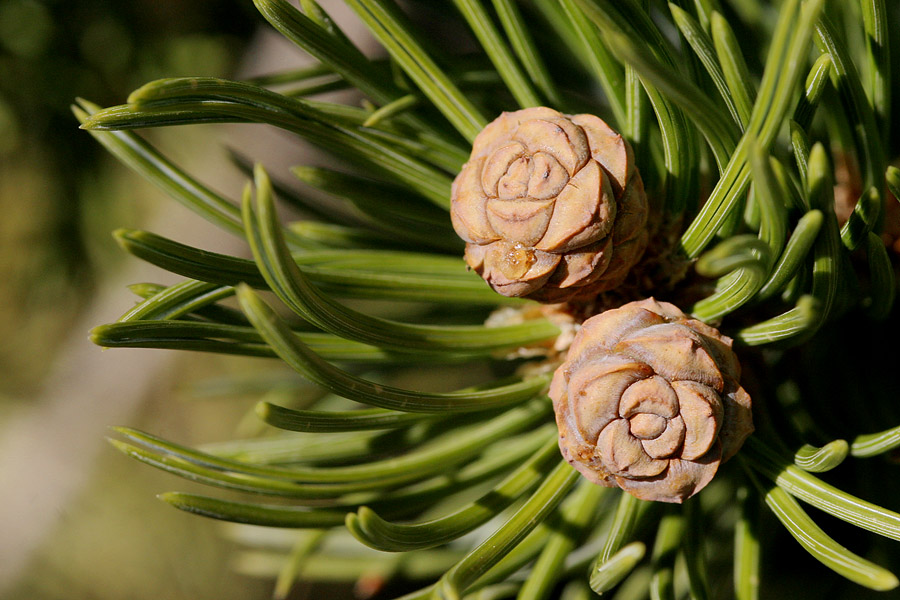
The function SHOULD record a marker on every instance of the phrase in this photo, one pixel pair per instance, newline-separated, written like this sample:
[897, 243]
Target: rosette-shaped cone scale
[551, 206]
[649, 400]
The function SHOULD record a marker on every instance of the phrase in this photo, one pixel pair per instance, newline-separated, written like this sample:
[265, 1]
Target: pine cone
[551, 206]
[649, 400]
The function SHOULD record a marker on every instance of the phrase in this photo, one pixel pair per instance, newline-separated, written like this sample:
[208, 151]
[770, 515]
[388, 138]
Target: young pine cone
[550, 205]
[649, 400]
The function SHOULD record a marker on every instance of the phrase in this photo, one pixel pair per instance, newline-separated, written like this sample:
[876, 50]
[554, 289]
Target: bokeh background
[79, 520]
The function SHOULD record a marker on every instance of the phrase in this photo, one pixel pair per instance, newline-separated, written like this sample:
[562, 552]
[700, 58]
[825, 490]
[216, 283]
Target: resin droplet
[516, 261]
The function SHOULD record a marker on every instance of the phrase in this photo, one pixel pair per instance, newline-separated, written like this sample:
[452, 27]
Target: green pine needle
[749, 122]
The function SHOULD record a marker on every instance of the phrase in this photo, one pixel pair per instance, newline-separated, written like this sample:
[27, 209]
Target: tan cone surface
[550, 206]
[649, 400]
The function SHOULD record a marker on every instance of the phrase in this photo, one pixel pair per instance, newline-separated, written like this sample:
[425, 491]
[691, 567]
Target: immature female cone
[649, 400]
[550, 205]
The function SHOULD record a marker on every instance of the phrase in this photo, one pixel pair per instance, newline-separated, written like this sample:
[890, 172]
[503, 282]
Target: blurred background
[79, 519]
